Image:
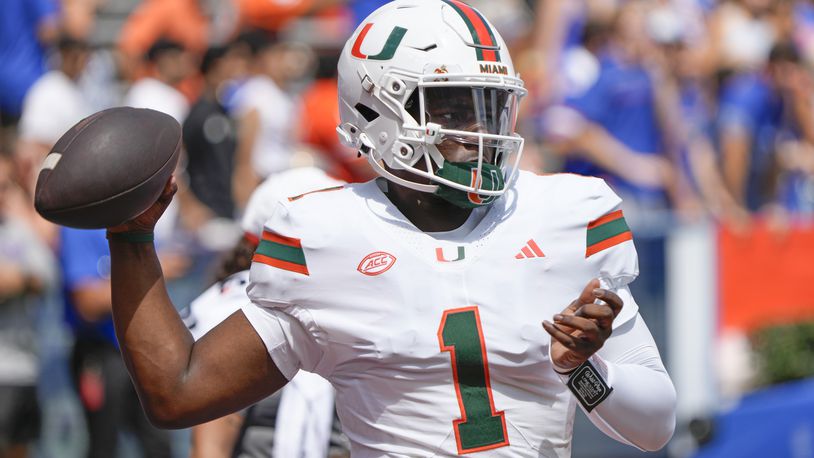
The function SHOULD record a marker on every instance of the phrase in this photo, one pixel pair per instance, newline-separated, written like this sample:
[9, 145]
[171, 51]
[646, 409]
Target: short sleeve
[84, 256]
[279, 272]
[291, 346]
[279, 265]
[609, 248]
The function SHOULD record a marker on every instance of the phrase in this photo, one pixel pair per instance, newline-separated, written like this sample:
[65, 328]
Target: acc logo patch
[376, 263]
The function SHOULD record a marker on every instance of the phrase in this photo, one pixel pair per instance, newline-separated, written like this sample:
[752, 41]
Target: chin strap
[466, 173]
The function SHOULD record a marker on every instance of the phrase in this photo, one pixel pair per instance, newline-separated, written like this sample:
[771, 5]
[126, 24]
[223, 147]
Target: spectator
[210, 137]
[687, 107]
[52, 106]
[171, 63]
[26, 28]
[26, 273]
[611, 128]
[757, 110]
[106, 393]
[179, 21]
[267, 112]
[742, 32]
[616, 129]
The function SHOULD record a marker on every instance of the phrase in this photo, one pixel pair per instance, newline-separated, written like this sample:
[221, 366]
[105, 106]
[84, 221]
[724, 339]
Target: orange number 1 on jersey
[480, 426]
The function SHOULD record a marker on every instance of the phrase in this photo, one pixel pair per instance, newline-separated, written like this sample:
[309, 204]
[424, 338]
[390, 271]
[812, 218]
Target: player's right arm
[180, 382]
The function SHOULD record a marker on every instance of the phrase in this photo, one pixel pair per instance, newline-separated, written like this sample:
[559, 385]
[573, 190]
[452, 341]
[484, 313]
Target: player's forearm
[641, 409]
[155, 344]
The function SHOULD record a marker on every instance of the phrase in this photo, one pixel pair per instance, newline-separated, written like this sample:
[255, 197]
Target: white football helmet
[419, 72]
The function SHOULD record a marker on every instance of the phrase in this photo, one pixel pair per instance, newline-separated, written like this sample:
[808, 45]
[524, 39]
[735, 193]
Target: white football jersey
[216, 304]
[434, 343]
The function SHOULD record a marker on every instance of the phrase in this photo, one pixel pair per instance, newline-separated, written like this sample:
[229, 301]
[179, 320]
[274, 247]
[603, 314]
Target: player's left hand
[583, 327]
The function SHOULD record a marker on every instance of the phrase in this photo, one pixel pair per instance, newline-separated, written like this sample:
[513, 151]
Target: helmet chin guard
[417, 79]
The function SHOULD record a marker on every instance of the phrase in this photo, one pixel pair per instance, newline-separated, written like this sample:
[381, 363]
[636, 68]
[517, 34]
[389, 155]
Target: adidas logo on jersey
[531, 250]
[376, 263]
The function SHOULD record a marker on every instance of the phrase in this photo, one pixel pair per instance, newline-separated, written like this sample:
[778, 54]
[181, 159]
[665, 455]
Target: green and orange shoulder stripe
[606, 232]
[279, 249]
[281, 252]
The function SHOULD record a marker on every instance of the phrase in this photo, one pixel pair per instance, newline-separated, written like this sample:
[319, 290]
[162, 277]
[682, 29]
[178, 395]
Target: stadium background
[698, 112]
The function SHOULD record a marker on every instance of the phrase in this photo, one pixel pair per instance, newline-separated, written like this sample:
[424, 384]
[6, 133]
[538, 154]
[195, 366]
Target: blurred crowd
[696, 107]
[690, 109]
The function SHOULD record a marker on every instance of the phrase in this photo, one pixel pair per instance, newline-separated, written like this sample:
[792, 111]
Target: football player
[457, 305]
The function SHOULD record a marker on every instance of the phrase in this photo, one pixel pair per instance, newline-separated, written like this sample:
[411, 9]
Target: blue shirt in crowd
[621, 101]
[22, 57]
[84, 257]
[749, 104]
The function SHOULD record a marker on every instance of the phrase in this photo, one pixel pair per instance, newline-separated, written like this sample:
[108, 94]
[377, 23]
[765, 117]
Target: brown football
[108, 168]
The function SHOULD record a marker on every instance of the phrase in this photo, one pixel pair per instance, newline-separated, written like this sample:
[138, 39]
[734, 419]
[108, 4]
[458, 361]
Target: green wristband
[131, 237]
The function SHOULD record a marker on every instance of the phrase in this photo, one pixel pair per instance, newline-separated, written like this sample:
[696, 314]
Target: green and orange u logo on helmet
[483, 38]
[390, 46]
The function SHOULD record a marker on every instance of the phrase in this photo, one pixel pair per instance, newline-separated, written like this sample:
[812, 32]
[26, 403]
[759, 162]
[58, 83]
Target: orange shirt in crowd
[178, 20]
[271, 15]
[182, 21]
[320, 116]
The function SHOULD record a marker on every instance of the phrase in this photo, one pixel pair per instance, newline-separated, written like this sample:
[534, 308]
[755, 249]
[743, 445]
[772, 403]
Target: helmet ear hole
[368, 113]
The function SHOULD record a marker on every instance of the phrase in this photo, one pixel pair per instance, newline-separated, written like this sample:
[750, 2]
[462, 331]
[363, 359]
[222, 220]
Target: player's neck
[427, 212]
